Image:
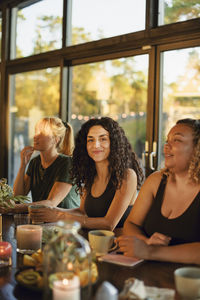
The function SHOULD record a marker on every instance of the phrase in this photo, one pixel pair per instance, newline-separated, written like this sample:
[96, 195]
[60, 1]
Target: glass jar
[67, 264]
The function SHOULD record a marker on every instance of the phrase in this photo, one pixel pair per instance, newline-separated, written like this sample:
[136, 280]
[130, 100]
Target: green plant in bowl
[7, 198]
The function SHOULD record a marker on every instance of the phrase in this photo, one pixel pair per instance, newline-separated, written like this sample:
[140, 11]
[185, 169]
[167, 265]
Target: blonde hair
[60, 129]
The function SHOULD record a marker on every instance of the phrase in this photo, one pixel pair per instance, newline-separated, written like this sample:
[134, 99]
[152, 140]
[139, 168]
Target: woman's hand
[132, 246]
[126, 245]
[159, 239]
[141, 249]
[44, 213]
[6, 210]
[26, 155]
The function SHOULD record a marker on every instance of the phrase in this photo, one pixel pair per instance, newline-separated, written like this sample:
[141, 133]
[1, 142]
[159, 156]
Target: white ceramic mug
[101, 241]
[187, 281]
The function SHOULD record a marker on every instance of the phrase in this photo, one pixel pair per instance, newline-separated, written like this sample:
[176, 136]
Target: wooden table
[159, 274]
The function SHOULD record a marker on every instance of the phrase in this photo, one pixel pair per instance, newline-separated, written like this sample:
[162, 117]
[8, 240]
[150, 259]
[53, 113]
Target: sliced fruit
[28, 277]
[28, 260]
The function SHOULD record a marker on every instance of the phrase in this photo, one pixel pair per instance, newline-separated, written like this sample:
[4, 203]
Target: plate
[28, 286]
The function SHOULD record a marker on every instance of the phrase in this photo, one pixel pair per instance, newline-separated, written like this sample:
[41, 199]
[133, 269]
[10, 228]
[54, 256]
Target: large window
[133, 60]
[98, 19]
[181, 88]
[36, 95]
[115, 88]
[38, 28]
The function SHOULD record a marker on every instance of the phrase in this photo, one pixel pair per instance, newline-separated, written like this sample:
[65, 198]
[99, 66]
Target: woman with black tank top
[107, 174]
[164, 223]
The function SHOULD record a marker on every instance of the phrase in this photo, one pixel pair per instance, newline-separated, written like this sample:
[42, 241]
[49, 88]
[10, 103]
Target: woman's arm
[54, 214]
[58, 192]
[184, 253]
[135, 220]
[121, 200]
[22, 181]
[134, 223]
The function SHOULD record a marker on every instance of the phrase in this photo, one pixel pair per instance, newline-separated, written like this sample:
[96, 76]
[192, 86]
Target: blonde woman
[48, 176]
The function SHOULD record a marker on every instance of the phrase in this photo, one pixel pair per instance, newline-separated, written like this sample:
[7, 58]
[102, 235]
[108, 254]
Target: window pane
[38, 28]
[33, 95]
[94, 20]
[114, 88]
[172, 11]
[181, 88]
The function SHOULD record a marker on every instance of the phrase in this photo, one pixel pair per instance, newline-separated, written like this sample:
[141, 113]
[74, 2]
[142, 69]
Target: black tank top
[183, 229]
[98, 207]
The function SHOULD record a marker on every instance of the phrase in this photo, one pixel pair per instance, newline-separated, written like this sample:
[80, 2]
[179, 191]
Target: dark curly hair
[120, 158]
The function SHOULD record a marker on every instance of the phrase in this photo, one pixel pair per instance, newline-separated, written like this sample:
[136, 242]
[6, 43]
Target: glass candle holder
[29, 238]
[67, 260]
[5, 254]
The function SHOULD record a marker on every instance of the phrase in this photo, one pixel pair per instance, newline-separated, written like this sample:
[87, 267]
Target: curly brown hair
[121, 156]
[194, 166]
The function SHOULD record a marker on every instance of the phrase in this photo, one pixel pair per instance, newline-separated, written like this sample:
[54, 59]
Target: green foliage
[178, 10]
[47, 26]
[37, 89]
[7, 198]
[136, 133]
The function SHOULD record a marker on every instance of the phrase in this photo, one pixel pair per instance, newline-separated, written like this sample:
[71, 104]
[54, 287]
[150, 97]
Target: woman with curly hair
[165, 219]
[107, 174]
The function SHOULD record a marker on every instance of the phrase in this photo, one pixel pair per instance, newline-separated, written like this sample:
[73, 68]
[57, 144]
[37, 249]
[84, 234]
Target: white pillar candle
[29, 238]
[67, 289]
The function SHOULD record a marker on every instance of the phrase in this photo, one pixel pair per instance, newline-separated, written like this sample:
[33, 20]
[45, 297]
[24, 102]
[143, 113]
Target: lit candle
[29, 238]
[67, 289]
[5, 254]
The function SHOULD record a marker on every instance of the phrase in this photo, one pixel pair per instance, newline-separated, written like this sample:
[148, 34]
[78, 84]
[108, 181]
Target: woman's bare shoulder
[131, 173]
[155, 176]
[153, 180]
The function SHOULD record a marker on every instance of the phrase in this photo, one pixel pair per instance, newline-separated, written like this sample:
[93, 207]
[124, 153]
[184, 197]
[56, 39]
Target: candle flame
[70, 266]
[65, 281]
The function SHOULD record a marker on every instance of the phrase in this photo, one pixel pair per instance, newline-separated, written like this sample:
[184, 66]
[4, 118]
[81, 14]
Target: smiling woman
[107, 174]
[98, 143]
[164, 222]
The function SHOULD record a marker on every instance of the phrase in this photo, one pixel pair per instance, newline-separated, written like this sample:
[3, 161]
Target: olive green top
[42, 180]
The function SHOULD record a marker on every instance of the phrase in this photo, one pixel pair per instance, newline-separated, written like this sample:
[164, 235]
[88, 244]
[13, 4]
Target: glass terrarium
[68, 267]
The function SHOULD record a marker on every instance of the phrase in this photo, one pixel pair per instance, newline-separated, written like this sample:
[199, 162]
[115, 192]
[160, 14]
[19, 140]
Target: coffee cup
[187, 281]
[101, 241]
[35, 207]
